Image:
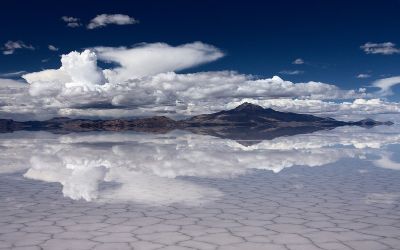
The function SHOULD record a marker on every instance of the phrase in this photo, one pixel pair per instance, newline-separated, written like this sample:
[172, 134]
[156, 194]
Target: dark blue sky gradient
[258, 37]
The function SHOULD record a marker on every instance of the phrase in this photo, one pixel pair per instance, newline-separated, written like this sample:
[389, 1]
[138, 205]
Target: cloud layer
[143, 80]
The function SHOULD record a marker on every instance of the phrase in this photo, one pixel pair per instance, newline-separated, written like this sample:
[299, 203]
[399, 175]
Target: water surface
[332, 189]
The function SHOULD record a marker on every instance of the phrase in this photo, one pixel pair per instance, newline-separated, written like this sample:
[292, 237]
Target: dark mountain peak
[371, 123]
[367, 120]
[60, 119]
[248, 107]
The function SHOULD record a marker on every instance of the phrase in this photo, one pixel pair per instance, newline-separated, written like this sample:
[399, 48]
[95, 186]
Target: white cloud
[10, 83]
[13, 98]
[10, 47]
[298, 61]
[13, 74]
[386, 84]
[69, 19]
[387, 48]
[291, 72]
[355, 110]
[72, 22]
[363, 76]
[144, 82]
[105, 19]
[52, 48]
[82, 68]
[78, 77]
[150, 59]
[184, 94]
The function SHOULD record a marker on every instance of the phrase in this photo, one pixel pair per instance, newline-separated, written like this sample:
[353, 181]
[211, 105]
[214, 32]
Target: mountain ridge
[244, 117]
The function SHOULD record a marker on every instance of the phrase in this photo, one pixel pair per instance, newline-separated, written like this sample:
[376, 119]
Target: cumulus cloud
[165, 92]
[78, 78]
[52, 47]
[386, 85]
[72, 22]
[387, 48]
[143, 81]
[10, 47]
[298, 61]
[105, 19]
[82, 68]
[291, 72]
[190, 94]
[363, 76]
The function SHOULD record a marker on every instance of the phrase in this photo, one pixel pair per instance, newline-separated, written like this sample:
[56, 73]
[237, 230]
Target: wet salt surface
[335, 189]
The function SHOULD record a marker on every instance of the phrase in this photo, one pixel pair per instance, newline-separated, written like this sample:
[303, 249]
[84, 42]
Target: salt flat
[335, 189]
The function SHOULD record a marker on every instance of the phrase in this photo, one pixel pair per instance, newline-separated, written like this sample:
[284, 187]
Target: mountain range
[246, 121]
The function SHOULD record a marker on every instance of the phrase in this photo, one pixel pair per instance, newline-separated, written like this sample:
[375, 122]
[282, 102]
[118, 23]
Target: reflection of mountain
[252, 135]
[245, 121]
[114, 166]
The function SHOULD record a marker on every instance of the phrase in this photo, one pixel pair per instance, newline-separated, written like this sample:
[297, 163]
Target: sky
[181, 58]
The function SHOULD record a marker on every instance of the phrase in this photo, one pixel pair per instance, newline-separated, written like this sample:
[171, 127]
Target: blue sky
[257, 38]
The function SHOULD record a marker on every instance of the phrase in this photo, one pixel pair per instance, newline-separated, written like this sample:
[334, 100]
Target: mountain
[247, 121]
[65, 125]
[250, 115]
[371, 123]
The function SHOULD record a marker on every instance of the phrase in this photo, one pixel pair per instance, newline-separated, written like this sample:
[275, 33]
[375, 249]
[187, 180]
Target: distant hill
[247, 121]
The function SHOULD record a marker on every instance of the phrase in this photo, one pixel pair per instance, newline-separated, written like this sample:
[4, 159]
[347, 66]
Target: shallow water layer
[336, 189]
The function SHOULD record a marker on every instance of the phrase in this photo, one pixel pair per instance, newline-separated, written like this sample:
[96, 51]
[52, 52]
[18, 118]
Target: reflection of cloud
[381, 198]
[145, 167]
[81, 183]
[153, 189]
[386, 162]
[80, 174]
